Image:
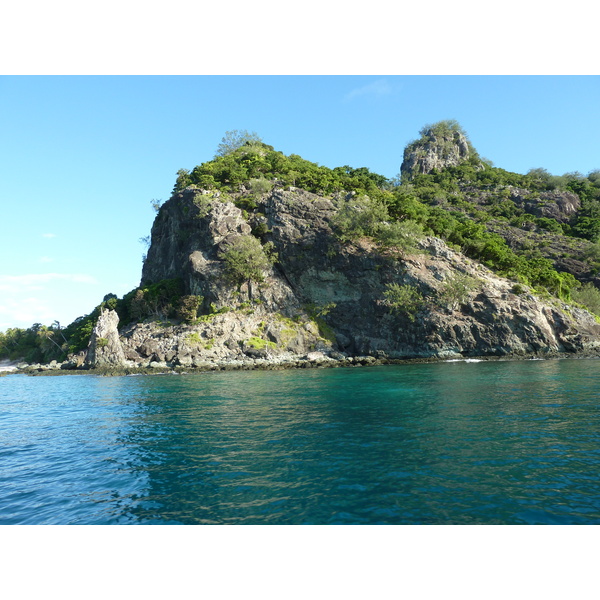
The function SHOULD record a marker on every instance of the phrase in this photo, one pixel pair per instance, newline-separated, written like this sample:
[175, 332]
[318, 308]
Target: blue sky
[83, 156]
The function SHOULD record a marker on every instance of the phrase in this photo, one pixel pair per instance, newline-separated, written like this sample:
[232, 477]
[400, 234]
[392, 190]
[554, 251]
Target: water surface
[446, 443]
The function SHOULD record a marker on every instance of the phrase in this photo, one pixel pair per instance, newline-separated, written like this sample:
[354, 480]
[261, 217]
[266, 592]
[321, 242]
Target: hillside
[262, 259]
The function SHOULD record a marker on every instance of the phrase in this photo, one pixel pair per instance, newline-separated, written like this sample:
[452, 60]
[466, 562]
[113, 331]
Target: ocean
[464, 442]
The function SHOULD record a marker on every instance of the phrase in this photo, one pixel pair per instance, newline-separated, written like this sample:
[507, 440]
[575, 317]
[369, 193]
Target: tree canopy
[232, 140]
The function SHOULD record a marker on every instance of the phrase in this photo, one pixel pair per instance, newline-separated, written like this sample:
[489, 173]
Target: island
[262, 260]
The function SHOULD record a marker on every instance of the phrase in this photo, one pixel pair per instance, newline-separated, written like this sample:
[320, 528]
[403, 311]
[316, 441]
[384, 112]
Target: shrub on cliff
[187, 308]
[159, 299]
[589, 296]
[246, 260]
[403, 299]
[399, 237]
[358, 217]
[456, 290]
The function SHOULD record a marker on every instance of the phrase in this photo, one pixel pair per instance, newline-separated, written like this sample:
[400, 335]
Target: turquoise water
[445, 443]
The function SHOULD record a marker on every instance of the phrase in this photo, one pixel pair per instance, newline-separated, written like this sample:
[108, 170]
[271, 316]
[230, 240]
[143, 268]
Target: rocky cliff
[331, 298]
[262, 259]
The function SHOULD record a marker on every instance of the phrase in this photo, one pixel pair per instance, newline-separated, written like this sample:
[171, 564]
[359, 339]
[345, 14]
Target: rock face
[558, 205]
[437, 149]
[187, 239]
[325, 297]
[105, 347]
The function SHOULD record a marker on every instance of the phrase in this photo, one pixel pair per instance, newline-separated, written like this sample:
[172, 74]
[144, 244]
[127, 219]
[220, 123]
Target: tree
[359, 217]
[246, 260]
[456, 290]
[188, 307]
[260, 185]
[232, 140]
[589, 296]
[182, 181]
[443, 128]
[399, 236]
[403, 299]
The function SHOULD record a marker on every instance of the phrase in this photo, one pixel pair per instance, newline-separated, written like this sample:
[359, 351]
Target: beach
[7, 366]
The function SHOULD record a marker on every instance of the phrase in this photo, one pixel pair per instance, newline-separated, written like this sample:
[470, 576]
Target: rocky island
[259, 260]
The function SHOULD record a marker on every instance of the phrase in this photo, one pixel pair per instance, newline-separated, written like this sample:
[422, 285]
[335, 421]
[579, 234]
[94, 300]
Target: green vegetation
[202, 203]
[159, 300]
[589, 297]
[405, 299]
[38, 343]
[456, 290]
[260, 185]
[259, 166]
[439, 203]
[399, 237]
[194, 339]
[362, 217]
[188, 307]
[359, 217]
[259, 343]
[232, 140]
[318, 314]
[247, 259]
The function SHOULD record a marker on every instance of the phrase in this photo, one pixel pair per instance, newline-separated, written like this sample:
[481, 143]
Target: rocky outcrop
[438, 148]
[189, 235]
[238, 336]
[105, 346]
[326, 297]
[558, 205]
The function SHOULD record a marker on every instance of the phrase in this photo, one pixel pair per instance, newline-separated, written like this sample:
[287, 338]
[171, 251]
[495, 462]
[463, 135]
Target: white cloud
[24, 313]
[376, 88]
[49, 235]
[44, 297]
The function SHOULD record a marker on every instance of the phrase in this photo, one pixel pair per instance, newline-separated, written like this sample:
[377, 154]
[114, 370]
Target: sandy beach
[7, 365]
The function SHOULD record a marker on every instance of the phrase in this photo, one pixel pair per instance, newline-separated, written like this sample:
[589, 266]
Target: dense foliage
[258, 161]
[443, 203]
[38, 343]
[160, 301]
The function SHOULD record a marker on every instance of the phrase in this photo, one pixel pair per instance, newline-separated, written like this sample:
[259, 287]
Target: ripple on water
[492, 442]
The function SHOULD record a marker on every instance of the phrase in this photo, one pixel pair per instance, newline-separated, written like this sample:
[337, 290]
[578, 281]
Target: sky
[82, 157]
[101, 105]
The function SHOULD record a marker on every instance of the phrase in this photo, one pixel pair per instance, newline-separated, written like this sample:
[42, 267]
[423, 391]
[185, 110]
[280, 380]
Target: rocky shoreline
[316, 360]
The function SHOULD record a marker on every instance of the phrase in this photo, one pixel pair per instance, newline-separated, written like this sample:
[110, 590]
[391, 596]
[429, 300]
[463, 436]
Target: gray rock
[325, 297]
[105, 346]
[435, 151]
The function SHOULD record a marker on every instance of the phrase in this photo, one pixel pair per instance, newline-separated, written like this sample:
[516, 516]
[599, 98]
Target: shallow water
[446, 443]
